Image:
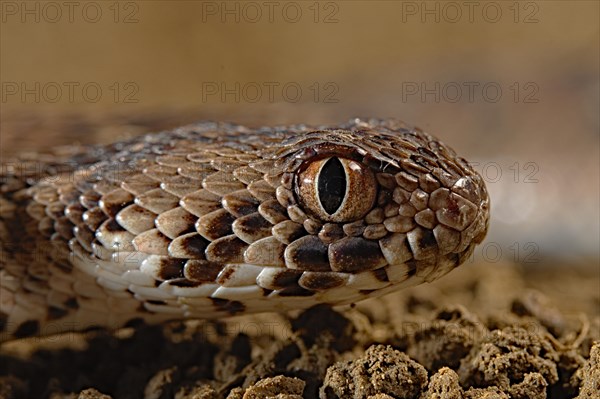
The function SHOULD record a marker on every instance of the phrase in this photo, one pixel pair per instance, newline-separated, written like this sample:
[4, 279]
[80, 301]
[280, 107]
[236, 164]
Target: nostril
[466, 187]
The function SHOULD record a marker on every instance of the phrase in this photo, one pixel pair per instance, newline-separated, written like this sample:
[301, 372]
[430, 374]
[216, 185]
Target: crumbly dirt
[484, 331]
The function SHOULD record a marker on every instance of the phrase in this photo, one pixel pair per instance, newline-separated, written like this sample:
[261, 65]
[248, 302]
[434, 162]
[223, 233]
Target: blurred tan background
[513, 86]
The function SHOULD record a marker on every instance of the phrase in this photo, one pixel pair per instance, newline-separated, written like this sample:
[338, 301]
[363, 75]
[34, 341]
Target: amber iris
[336, 189]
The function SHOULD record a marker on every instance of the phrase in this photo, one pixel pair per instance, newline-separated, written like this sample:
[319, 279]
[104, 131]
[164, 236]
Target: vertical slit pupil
[332, 185]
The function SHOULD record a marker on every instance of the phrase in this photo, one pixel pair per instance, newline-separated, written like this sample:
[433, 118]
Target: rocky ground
[483, 331]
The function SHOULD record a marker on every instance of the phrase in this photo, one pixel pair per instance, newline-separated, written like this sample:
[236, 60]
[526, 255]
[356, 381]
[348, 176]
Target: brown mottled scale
[214, 219]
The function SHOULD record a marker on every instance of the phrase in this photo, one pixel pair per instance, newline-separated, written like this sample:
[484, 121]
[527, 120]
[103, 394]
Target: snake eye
[336, 189]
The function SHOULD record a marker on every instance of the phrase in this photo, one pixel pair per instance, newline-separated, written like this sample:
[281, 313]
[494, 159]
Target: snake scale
[215, 219]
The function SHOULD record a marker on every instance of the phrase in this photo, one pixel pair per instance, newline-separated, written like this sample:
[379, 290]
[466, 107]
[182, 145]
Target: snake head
[378, 198]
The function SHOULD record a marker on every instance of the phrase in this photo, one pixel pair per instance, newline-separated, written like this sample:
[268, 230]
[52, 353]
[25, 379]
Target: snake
[215, 219]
